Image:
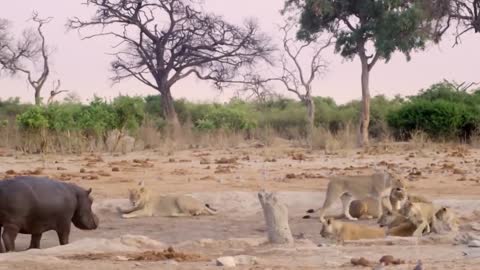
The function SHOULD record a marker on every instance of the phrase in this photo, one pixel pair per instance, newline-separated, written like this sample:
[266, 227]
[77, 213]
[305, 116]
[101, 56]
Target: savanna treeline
[161, 42]
[444, 112]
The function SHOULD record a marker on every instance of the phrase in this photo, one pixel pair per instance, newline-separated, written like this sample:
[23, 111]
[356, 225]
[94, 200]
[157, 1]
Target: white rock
[228, 261]
[474, 243]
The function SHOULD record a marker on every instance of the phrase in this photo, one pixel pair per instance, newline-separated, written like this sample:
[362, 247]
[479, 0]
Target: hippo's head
[84, 218]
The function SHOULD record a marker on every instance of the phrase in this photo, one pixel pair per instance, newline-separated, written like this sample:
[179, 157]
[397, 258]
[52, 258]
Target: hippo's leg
[35, 241]
[9, 235]
[2, 250]
[63, 233]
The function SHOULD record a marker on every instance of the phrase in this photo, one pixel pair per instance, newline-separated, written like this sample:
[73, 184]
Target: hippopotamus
[34, 205]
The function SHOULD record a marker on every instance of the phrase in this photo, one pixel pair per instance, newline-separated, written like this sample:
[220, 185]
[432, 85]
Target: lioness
[444, 220]
[144, 205]
[420, 214]
[376, 185]
[398, 196]
[342, 231]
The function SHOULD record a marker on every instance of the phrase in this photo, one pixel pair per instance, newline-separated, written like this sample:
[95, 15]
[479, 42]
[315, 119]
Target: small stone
[245, 260]
[228, 261]
[474, 243]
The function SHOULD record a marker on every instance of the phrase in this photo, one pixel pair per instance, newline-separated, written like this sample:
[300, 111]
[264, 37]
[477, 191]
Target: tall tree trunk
[365, 104]
[310, 118]
[38, 99]
[169, 109]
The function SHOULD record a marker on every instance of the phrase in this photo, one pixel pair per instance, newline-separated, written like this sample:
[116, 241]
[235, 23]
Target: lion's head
[447, 219]
[139, 194]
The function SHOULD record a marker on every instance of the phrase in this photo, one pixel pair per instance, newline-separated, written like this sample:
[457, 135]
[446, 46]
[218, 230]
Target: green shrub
[34, 118]
[226, 118]
[96, 118]
[438, 118]
[61, 117]
[130, 112]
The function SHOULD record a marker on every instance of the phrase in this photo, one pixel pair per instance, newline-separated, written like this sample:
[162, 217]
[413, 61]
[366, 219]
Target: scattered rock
[228, 261]
[474, 243]
[224, 160]
[90, 177]
[10, 172]
[389, 259]
[361, 262]
[204, 161]
[104, 174]
[61, 169]
[115, 169]
[245, 260]
[82, 170]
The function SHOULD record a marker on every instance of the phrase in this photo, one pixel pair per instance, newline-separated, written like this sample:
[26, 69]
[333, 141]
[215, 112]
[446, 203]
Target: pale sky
[83, 66]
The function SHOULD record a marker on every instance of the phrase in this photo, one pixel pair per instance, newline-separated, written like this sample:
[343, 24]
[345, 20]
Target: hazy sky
[83, 66]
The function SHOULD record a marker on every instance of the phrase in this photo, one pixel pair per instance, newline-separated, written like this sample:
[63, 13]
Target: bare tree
[34, 47]
[164, 41]
[10, 52]
[461, 87]
[55, 91]
[4, 44]
[295, 77]
[298, 79]
[464, 15]
[255, 88]
[467, 14]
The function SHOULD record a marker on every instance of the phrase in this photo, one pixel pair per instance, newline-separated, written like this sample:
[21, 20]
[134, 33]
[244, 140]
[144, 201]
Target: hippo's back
[37, 196]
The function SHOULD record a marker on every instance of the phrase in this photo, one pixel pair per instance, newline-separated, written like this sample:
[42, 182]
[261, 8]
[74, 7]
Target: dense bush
[440, 111]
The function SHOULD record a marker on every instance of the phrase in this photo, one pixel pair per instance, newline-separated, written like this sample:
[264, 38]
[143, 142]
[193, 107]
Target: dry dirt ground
[228, 180]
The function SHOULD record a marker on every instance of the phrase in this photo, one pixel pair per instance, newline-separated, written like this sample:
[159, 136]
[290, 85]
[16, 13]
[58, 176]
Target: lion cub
[367, 208]
[145, 205]
[376, 186]
[342, 231]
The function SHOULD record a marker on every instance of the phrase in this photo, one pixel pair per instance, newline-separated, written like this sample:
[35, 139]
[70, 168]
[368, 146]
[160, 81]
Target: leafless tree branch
[31, 47]
[164, 41]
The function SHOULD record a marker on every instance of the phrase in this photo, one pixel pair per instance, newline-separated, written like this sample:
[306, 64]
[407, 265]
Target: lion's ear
[141, 183]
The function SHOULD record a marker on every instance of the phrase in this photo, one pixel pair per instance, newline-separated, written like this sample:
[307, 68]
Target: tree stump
[276, 217]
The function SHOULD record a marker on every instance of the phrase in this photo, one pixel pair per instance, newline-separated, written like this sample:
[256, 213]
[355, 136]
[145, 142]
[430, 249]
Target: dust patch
[151, 256]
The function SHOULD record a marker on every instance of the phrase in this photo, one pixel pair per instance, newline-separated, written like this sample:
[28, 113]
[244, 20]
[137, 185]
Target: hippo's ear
[89, 191]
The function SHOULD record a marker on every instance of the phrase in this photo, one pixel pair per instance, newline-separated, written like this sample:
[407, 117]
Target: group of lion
[381, 195]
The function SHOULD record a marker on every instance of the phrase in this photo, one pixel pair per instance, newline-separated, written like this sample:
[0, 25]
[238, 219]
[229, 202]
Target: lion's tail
[210, 209]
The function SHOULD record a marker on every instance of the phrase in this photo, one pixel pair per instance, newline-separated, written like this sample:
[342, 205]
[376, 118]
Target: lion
[341, 231]
[366, 208]
[444, 220]
[447, 221]
[144, 205]
[376, 186]
[420, 214]
[398, 196]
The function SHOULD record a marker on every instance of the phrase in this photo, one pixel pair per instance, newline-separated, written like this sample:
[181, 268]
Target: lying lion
[342, 231]
[144, 205]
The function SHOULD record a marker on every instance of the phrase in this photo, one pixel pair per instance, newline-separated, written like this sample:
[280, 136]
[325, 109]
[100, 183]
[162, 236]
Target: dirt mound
[167, 254]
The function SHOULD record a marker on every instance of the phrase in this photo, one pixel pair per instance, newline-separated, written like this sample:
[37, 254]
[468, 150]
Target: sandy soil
[228, 179]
